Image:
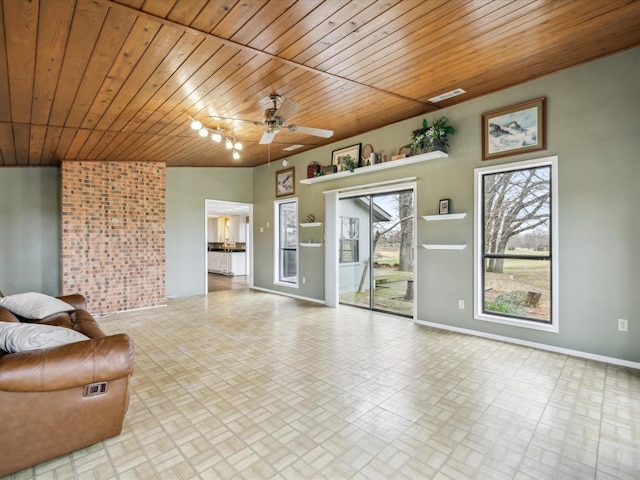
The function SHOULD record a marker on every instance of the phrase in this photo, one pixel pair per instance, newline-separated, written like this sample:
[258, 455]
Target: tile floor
[247, 385]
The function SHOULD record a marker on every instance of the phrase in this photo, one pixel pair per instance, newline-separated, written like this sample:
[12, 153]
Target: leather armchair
[59, 399]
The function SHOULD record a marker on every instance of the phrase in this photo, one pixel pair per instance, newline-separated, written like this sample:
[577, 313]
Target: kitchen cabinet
[227, 263]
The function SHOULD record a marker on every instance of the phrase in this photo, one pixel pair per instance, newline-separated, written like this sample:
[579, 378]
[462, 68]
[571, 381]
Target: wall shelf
[377, 167]
[431, 246]
[310, 244]
[313, 224]
[449, 216]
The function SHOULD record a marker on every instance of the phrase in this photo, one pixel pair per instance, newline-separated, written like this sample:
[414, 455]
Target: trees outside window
[515, 273]
[286, 241]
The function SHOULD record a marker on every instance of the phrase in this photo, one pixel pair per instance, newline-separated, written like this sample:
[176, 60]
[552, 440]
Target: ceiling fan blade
[317, 132]
[254, 122]
[287, 108]
[267, 137]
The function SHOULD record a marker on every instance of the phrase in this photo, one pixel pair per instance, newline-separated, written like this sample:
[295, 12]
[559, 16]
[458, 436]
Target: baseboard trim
[298, 297]
[540, 346]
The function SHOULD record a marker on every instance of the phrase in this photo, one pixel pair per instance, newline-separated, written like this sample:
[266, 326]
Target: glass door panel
[376, 251]
[354, 249]
[393, 252]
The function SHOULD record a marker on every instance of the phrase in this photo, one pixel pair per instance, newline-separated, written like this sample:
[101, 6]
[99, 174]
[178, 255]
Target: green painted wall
[30, 231]
[187, 191]
[592, 115]
[592, 121]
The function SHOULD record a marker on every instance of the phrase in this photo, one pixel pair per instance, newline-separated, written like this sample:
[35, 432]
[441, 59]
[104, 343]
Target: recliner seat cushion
[20, 337]
[34, 305]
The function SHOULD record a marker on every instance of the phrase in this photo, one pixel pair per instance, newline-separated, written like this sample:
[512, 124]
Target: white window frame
[276, 244]
[479, 173]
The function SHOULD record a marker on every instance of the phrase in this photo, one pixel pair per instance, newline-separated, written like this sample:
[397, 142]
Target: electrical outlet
[623, 325]
[304, 280]
[461, 304]
[261, 230]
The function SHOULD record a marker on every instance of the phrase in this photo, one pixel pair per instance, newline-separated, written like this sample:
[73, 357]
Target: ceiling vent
[444, 96]
[292, 147]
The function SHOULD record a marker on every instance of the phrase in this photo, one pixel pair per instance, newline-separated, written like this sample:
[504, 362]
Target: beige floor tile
[293, 390]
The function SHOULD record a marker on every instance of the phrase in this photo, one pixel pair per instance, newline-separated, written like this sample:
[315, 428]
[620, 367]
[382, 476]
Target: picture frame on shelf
[513, 130]
[286, 182]
[339, 156]
[443, 206]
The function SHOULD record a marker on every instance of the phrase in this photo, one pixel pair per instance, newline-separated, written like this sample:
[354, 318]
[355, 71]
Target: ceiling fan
[276, 118]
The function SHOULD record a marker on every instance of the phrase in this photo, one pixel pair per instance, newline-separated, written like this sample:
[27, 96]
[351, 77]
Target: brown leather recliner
[56, 400]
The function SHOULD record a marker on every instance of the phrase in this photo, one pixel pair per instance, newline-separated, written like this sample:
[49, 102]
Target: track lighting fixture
[216, 136]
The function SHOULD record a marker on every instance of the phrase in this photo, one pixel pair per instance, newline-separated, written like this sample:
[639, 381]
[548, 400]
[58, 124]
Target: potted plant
[349, 163]
[430, 138]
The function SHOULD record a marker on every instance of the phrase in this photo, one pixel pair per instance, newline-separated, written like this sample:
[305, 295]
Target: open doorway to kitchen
[228, 245]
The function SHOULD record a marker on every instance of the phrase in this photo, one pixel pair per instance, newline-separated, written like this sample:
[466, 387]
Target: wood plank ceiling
[119, 80]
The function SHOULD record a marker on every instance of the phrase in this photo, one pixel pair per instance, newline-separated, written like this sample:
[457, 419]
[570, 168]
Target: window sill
[514, 322]
[286, 284]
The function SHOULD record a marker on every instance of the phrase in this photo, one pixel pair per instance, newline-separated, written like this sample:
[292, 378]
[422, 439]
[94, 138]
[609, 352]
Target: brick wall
[113, 233]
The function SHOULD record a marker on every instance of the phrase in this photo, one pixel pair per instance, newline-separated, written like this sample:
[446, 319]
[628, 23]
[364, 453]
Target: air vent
[444, 96]
[292, 147]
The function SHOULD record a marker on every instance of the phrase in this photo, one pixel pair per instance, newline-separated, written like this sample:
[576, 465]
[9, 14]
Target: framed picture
[286, 182]
[513, 130]
[443, 208]
[338, 157]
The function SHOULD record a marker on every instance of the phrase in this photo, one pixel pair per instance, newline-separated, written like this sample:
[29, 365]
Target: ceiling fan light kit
[274, 118]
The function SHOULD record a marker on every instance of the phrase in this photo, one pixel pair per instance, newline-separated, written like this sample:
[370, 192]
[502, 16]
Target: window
[349, 232]
[516, 247]
[286, 241]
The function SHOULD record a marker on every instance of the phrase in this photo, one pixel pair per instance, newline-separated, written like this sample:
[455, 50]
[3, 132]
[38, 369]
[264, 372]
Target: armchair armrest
[76, 300]
[67, 366]
[7, 316]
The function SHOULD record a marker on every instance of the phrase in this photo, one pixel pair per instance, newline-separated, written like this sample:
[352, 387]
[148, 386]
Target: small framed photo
[339, 156]
[443, 208]
[286, 182]
[515, 129]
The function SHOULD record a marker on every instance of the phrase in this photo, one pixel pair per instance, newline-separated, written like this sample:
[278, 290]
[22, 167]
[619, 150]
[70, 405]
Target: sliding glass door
[376, 250]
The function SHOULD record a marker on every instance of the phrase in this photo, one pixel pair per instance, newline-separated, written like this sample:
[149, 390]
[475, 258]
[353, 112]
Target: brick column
[113, 233]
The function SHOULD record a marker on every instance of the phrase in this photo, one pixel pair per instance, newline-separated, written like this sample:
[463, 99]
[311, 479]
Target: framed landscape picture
[285, 182]
[513, 130]
[339, 156]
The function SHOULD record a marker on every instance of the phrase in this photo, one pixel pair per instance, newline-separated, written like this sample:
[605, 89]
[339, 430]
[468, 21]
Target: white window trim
[276, 245]
[554, 326]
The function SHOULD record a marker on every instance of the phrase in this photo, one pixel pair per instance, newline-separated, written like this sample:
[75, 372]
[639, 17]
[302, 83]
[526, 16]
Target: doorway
[376, 249]
[228, 240]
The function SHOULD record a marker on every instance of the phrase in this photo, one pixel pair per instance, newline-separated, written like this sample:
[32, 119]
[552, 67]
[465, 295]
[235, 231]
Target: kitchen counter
[227, 262]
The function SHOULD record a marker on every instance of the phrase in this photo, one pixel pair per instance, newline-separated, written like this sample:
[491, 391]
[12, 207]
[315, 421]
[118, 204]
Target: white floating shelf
[310, 244]
[448, 216]
[444, 247]
[313, 224]
[378, 166]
